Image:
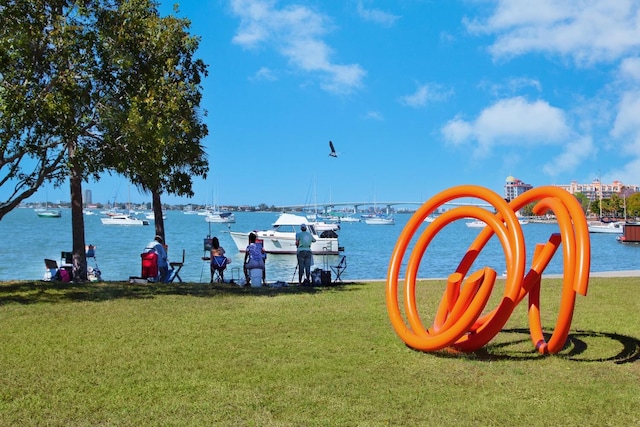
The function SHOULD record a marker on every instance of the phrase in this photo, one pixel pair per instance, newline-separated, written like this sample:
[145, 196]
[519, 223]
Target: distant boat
[151, 215]
[479, 223]
[123, 219]
[188, 210]
[349, 218]
[46, 212]
[606, 227]
[476, 224]
[380, 220]
[49, 213]
[220, 217]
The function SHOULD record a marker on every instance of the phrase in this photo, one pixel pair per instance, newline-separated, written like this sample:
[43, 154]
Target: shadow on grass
[53, 292]
[575, 349]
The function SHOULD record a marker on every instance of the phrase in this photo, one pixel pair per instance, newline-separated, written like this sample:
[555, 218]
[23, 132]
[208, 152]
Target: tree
[160, 126]
[50, 101]
[633, 205]
[584, 201]
[36, 91]
[71, 105]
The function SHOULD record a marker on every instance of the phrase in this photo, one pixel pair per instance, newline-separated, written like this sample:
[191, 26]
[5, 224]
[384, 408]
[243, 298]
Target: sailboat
[613, 227]
[48, 212]
[123, 218]
[218, 216]
[378, 219]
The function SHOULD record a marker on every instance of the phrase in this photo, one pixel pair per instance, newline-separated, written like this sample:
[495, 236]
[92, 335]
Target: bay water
[28, 240]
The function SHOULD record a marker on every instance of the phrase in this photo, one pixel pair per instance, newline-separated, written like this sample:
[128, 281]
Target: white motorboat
[281, 239]
[188, 210]
[349, 218]
[321, 226]
[479, 223]
[152, 216]
[379, 220]
[475, 224]
[616, 227]
[223, 217]
[123, 219]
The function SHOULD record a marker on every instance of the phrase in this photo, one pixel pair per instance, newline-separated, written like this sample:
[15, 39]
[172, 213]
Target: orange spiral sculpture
[458, 321]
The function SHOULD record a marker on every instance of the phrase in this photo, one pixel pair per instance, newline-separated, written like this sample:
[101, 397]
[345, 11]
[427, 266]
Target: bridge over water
[327, 207]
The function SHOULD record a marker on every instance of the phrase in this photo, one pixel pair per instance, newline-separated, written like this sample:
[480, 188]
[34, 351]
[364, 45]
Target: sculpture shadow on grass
[618, 349]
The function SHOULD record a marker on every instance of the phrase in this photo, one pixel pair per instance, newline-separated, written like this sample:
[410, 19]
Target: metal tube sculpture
[458, 321]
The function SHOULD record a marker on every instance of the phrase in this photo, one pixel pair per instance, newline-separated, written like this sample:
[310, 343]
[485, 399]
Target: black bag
[316, 277]
[326, 278]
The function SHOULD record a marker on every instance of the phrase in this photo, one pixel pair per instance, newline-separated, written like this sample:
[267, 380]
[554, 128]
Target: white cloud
[513, 121]
[423, 94]
[586, 30]
[627, 121]
[630, 69]
[265, 73]
[573, 153]
[374, 115]
[296, 32]
[629, 173]
[376, 15]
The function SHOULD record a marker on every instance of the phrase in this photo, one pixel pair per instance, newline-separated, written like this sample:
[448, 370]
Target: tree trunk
[157, 214]
[77, 227]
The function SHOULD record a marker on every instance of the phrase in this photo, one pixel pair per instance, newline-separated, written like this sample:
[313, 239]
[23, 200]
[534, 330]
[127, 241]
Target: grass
[199, 354]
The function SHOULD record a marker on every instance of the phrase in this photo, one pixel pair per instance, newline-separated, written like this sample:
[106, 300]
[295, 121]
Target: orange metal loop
[458, 321]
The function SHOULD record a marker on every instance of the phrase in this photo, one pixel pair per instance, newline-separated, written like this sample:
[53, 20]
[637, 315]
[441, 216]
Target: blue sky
[416, 95]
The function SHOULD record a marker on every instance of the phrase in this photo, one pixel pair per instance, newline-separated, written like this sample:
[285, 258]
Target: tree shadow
[575, 349]
[34, 292]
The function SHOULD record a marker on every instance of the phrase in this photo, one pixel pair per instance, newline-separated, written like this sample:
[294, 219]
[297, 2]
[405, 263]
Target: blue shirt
[304, 239]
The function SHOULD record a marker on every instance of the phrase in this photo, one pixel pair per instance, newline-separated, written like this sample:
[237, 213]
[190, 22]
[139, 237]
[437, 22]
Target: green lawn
[196, 354]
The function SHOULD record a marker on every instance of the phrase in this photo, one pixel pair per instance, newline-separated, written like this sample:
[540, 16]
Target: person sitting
[253, 257]
[157, 246]
[217, 253]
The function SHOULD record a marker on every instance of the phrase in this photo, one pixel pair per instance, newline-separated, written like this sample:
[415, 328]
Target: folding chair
[218, 265]
[173, 266]
[54, 272]
[51, 272]
[66, 260]
[338, 269]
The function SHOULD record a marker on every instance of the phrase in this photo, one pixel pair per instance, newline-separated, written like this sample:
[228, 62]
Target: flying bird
[333, 150]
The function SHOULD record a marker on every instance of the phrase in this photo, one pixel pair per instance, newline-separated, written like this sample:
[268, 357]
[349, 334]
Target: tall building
[596, 189]
[87, 197]
[514, 187]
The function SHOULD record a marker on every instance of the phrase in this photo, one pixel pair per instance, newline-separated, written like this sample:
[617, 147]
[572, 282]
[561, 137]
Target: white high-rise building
[513, 187]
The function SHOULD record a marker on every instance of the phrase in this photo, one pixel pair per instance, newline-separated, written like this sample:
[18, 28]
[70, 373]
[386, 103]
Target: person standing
[157, 246]
[304, 239]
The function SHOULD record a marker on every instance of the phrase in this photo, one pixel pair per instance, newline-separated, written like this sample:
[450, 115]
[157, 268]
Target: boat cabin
[630, 234]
